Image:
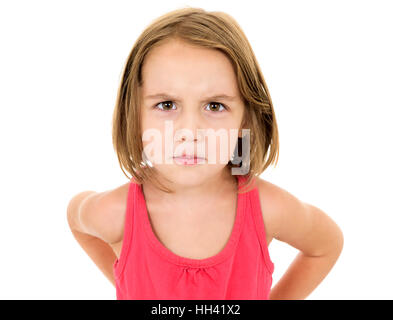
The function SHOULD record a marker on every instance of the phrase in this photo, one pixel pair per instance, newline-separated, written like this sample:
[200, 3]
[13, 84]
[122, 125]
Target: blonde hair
[214, 30]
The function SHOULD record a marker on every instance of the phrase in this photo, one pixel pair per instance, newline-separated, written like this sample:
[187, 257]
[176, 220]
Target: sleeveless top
[147, 270]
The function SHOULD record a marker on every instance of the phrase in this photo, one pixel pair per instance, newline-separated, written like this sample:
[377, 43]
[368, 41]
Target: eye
[165, 105]
[216, 107]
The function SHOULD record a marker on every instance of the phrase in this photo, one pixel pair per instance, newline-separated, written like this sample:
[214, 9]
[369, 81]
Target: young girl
[187, 226]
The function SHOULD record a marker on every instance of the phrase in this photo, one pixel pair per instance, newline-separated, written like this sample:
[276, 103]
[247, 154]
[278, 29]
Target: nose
[187, 127]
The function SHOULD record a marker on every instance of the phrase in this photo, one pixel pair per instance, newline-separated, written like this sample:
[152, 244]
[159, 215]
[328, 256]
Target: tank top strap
[257, 216]
[129, 222]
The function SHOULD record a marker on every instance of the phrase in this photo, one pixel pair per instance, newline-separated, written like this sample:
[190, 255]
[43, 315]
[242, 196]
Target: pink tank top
[147, 270]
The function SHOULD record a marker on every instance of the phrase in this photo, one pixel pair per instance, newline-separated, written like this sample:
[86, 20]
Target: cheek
[151, 124]
[152, 133]
[220, 147]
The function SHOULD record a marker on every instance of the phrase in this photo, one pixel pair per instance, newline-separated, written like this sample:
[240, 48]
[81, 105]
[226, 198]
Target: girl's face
[190, 100]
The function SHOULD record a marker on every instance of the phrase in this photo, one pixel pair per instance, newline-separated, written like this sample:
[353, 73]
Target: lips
[188, 157]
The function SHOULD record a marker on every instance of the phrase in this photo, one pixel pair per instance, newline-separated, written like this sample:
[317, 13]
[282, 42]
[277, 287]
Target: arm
[313, 233]
[86, 215]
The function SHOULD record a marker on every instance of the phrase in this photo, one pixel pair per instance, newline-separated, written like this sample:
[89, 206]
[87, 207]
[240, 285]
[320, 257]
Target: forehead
[177, 66]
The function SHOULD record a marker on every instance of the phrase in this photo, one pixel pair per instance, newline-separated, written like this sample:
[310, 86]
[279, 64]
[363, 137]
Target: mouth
[188, 157]
[189, 160]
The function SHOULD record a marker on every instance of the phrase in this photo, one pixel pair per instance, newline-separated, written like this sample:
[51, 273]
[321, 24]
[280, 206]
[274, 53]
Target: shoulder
[300, 224]
[277, 204]
[101, 214]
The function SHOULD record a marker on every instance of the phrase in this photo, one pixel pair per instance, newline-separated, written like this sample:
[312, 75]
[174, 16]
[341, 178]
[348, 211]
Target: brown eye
[166, 105]
[216, 107]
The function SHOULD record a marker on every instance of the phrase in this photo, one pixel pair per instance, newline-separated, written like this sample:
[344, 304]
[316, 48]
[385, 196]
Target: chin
[189, 175]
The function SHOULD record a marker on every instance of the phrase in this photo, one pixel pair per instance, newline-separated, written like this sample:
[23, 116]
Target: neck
[211, 189]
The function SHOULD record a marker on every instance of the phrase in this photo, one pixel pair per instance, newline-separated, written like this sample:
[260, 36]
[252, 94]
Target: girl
[187, 226]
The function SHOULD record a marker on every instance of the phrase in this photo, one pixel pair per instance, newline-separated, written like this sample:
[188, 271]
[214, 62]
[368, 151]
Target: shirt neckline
[190, 262]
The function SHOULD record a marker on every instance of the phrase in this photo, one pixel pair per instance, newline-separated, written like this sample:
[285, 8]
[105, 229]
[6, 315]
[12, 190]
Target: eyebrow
[171, 97]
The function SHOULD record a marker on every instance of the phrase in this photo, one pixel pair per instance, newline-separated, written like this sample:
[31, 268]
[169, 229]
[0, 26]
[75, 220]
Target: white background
[328, 66]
